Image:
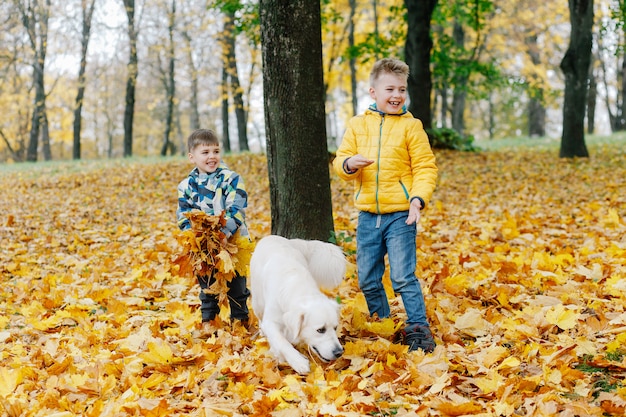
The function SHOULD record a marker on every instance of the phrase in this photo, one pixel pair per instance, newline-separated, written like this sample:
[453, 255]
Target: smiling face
[389, 91]
[206, 158]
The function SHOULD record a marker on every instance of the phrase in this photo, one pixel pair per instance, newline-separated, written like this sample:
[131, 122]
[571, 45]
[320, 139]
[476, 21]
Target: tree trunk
[417, 54]
[170, 87]
[293, 87]
[225, 124]
[14, 154]
[35, 20]
[621, 115]
[536, 108]
[131, 81]
[444, 105]
[45, 136]
[87, 13]
[194, 114]
[352, 62]
[233, 74]
[592, 98]
[536, 117]
[575, 67]
[459, 94]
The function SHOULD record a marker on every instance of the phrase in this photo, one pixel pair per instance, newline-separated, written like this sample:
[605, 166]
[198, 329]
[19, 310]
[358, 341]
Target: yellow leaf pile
[204, 252]
[521, 255]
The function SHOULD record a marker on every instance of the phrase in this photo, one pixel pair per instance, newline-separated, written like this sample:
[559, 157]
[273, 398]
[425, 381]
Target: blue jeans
[380, 234]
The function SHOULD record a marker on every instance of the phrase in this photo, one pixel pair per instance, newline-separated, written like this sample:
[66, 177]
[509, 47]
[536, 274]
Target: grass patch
[548, 143]
[51, 168]
[603, 379]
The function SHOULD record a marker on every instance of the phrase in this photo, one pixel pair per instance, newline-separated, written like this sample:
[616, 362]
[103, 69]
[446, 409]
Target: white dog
[285, 280]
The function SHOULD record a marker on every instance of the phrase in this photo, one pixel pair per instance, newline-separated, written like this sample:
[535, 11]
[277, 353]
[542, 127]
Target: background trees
[495, 71]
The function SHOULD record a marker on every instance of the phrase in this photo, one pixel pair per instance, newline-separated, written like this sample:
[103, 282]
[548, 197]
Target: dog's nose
[338, 351]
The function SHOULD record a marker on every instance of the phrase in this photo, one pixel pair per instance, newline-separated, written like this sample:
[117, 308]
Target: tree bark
[233, 74]
[35, 20]
[87, 7]
[592, 97]
[575, 66]
[225, 123]
[194, 114]
[459, 93]
[293, 87]
[536, 108]
[352, 62]
[170, 86]
[417, 55]
[131, 81]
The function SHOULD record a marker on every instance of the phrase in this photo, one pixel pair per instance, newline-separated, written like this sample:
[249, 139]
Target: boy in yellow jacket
[386, 152]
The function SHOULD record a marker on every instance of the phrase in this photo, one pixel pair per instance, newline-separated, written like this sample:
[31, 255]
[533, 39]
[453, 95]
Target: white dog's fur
[285, 280]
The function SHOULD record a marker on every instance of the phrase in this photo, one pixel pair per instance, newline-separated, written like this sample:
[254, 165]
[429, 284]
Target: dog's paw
[300, 364]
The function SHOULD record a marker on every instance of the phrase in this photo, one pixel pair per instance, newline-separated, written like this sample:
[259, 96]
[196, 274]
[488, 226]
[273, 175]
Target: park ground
[522, 258]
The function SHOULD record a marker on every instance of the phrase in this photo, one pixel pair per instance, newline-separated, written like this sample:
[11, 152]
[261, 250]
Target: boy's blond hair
[389, 65]
[202, 137]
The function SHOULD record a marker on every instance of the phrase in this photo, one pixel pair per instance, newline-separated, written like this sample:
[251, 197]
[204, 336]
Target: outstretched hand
[358, 161]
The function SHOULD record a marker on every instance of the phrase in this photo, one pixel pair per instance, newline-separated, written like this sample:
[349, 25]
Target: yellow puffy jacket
[404, 164]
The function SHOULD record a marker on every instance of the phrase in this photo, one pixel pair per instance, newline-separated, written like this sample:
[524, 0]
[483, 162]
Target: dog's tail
[326, 261]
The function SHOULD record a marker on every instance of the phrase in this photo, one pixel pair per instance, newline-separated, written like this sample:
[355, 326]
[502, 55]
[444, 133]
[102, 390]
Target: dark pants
[238, 295]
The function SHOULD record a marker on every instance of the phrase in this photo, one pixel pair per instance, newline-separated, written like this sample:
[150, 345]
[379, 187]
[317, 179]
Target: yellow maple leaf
[617, 344]
[562, 317]
[9, 380]
[225, 262]
[159, 353]
[612, 218]
[458, 409]
[489, 383]
[153, 407]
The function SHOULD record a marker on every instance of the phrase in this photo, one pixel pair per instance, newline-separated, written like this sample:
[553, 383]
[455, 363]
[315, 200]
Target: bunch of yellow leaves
[206, 252]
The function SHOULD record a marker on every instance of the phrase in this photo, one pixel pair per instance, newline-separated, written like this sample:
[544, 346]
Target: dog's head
[315, 324]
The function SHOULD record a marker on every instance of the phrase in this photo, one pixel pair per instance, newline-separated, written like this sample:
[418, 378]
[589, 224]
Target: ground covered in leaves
[522, 258]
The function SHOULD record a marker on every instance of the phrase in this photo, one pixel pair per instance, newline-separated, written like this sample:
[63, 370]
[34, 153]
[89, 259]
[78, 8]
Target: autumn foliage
[206, 252]
[522, 258]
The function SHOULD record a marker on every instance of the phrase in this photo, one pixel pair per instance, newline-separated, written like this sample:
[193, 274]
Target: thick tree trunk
[417, 54]
[293, 87]
[575, 66]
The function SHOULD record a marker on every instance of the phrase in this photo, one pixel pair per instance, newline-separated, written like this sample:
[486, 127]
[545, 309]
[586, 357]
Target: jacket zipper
[380, 142]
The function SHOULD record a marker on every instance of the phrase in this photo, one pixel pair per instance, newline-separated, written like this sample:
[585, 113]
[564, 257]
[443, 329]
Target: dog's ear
[293, 324]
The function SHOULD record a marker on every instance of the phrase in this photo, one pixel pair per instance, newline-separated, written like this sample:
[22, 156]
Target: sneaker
[419, 337]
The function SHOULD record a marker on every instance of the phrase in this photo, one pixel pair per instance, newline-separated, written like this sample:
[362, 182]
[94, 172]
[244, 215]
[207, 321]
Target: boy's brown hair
[202, 137]
[389, 65]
